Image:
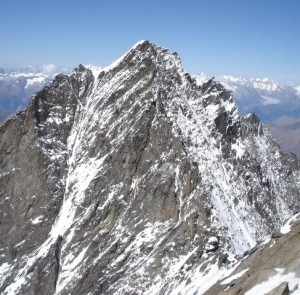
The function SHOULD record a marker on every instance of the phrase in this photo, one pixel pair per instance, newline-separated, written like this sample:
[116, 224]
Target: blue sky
[238, 37]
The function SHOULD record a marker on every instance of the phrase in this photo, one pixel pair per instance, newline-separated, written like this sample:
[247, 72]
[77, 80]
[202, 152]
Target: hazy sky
[238, 37]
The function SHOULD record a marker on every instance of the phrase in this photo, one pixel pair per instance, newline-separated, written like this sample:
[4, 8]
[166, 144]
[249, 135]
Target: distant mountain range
[17, 86]
[269, 100]
[276, 105]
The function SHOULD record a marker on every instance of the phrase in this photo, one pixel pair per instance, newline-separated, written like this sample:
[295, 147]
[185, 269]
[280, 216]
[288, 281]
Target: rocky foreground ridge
[135, 180]
[272, 268]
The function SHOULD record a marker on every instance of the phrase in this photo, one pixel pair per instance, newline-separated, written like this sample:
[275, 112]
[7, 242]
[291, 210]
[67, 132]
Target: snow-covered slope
[272, 268]
[135, 180]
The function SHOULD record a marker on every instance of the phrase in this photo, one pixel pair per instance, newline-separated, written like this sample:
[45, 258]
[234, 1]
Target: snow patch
[4, 270]
[201, 79]
[234, 277]
[239, 149]
[200, 281]
[274, 281]
[287, 226]
[37, 220]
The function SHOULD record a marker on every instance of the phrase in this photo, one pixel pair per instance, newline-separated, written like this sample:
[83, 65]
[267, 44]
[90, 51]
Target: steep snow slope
[135, 180]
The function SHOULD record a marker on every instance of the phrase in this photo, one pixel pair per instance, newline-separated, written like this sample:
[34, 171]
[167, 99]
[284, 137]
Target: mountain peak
[141, 182]
[252, 118]
[145, 50]
[264, 84]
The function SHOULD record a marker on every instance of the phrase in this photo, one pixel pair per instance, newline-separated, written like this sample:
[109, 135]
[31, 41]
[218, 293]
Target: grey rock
[282, 289]
[276, 235]
[279, 258]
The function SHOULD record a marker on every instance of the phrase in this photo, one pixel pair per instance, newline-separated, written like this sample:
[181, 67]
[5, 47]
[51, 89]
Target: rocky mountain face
[136, 181]
[277, 105]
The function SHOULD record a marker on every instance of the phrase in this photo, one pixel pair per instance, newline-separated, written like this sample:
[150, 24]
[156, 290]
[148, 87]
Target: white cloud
[50, 69]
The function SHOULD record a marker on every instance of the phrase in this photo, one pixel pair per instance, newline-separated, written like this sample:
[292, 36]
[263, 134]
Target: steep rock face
[135, 181]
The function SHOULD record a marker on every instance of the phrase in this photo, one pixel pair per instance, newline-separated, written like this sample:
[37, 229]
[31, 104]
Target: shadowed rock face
[135, 181]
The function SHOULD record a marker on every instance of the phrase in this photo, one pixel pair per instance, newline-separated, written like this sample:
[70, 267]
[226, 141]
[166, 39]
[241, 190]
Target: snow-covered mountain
[264, 84]
[270, 101]
[275, 104]
[17, 87]
[135, 180]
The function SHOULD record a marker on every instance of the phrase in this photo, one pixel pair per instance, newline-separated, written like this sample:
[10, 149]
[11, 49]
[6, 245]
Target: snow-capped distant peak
[264, 84]
[48, 71]
[258, 83]
[298, 90]
[230, 78]
[35, 81]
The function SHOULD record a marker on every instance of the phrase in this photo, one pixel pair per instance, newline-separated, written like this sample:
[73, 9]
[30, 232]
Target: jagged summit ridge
[145, 47]
[139, 177]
